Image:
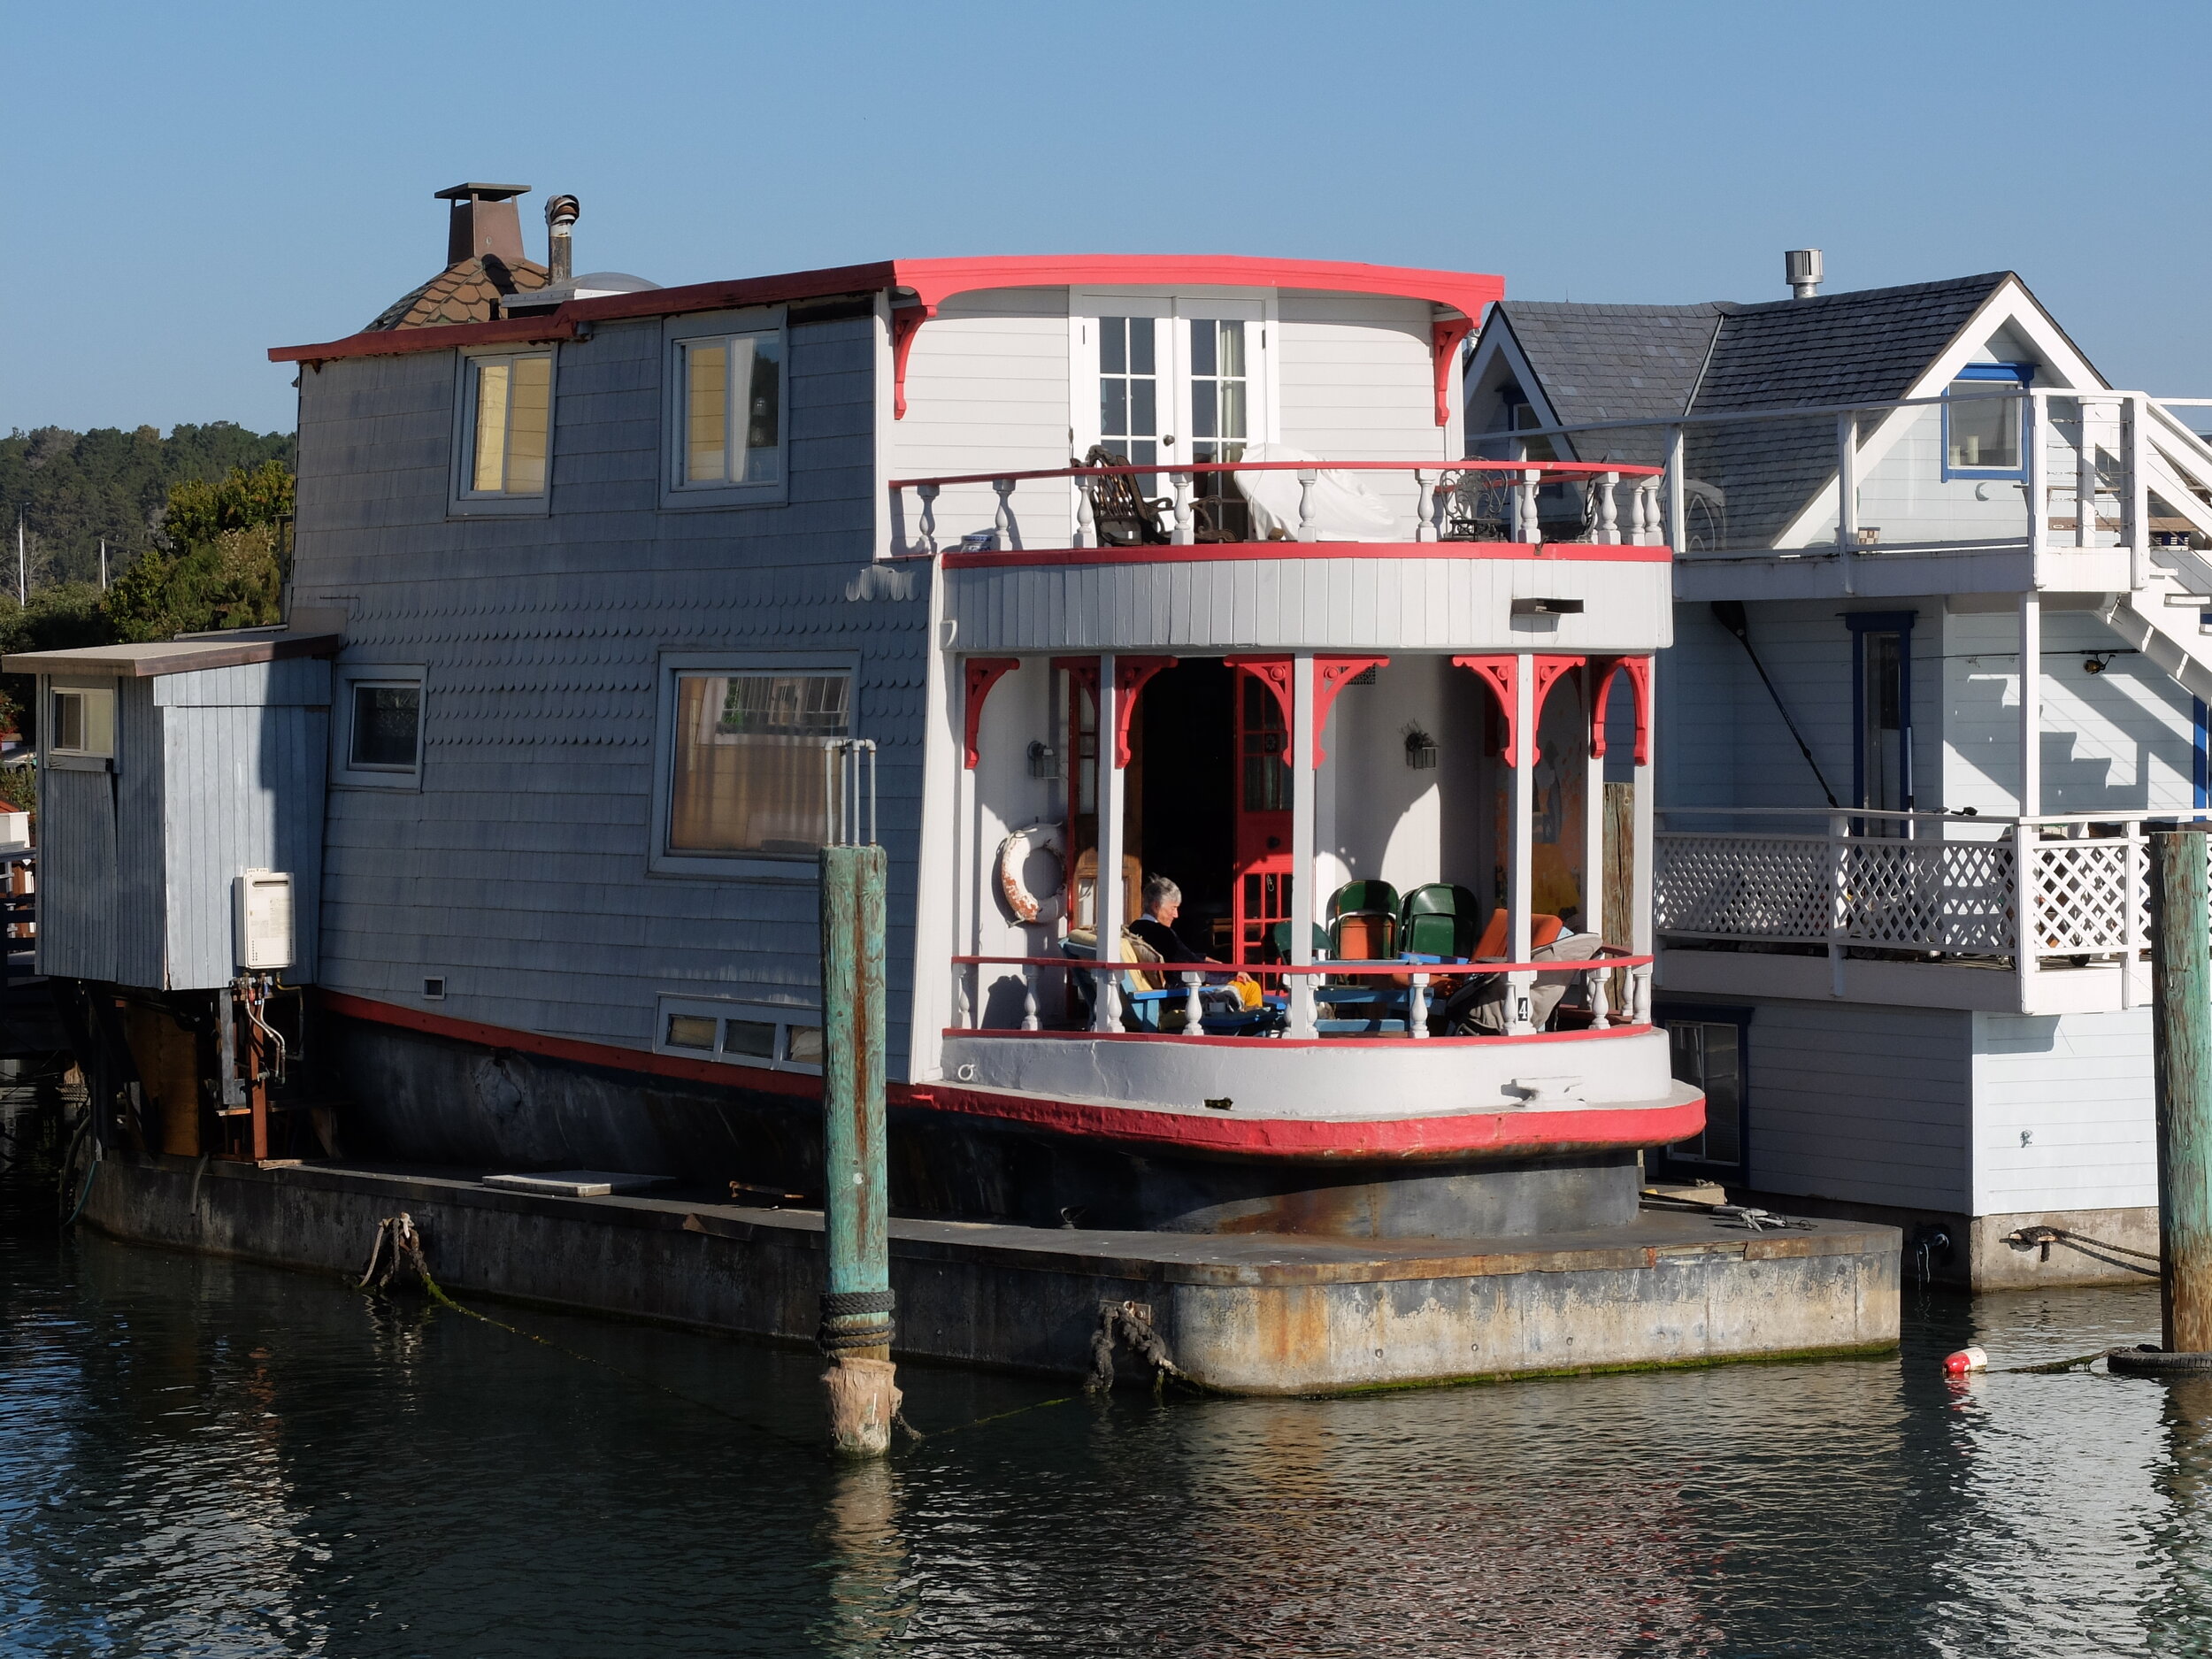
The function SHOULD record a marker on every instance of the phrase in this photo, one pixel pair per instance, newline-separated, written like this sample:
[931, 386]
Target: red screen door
[1264, 863]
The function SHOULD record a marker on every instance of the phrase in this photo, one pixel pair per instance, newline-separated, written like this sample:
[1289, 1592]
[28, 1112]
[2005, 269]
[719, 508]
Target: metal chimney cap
[1801, 270]
[562, 210]
[480, 192]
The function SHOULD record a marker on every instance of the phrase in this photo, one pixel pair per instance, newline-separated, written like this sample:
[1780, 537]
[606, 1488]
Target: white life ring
[1013, 853]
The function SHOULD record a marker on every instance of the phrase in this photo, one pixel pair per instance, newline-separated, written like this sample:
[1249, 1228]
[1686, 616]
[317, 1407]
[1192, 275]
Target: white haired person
[1154, 936]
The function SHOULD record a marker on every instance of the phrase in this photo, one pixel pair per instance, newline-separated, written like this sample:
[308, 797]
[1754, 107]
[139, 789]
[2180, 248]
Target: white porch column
[1594, 810]
[1106, 901]
[1523, 885]
[1643, 886]
[1677, 497]
[2031, 704]
[1303, 779]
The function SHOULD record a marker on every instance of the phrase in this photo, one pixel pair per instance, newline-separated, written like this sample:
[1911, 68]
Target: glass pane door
[1220, 423]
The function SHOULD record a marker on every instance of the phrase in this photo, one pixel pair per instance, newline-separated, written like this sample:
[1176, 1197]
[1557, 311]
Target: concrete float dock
[1250, 1314]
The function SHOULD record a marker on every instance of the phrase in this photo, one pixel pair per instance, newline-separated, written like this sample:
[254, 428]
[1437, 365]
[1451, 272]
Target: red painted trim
[1548, 471]
[1274, 673]
[1501, 672]
[1444, 337]
[1086, 671]
[1518, 1132]
[1331, 675]
[1129, 675]
[728, 1073]
[1352, 969]
[1601, 672]
[981, 673]
[1548, 672]
[1128, 1125]
[1229, 552]
[932, 281]
[906, 322]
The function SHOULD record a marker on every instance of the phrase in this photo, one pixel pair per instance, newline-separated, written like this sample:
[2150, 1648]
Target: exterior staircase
[2168, 619]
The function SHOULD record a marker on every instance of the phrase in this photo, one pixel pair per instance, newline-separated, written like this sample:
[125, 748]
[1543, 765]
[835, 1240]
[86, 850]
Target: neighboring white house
[1901, 906]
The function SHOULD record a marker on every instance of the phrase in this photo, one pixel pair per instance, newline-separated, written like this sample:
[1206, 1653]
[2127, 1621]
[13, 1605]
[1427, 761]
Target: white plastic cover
[1344, 509]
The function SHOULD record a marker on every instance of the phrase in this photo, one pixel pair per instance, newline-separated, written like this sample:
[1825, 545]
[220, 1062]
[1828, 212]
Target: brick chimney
[485, 221]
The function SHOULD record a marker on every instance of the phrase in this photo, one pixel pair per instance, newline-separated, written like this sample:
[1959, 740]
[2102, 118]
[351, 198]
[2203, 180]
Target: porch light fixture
[1044, 761]
[2096, 662]
[1420, 750]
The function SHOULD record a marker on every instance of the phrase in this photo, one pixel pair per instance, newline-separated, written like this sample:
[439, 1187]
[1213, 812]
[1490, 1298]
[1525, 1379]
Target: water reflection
[205, 1458]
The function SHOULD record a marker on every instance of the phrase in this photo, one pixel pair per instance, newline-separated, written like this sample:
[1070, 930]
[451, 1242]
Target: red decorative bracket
[1500, 670]
[1085, 669]
[1273, 673]
[1331, 675]
[982, 672]
[1130, 674]
[1601, 672]
[1444, 338]
[906, 322]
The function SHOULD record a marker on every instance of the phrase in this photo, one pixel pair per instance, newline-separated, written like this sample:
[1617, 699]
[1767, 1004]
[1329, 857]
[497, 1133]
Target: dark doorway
[1185, 814]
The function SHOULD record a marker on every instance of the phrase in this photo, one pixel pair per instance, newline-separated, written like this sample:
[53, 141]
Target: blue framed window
[1881, 709]
[1984, 438]
[1708, 1047]
[2199, 753]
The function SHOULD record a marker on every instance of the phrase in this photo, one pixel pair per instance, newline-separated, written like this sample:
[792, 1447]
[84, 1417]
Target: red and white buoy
[1967, 1359]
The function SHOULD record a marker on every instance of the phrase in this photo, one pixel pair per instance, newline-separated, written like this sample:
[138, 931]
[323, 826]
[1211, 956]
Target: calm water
[203, 1458]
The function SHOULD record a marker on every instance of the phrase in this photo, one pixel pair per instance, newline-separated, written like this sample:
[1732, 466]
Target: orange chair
[1543, 929]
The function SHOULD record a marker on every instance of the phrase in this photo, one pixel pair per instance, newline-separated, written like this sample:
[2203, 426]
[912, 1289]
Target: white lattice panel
[2080, 896]
[1954, 896]
[1742, 887]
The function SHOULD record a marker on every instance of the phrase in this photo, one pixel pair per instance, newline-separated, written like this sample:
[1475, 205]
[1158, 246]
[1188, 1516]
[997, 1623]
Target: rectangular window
[386, 727]
[1129, 390]
[83, 722]
[1881, 716]
[511, 410]
[731, 411]
[1982, 438]
[777, 1038]
[746, 773]
[1708, 1054]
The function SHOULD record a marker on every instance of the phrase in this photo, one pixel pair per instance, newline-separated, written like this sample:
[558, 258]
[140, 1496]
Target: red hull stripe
[1524, 1134]
[1231, 552]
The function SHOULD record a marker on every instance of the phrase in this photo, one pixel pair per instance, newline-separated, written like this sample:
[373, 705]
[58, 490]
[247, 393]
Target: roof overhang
[172, 656]
[918, 286]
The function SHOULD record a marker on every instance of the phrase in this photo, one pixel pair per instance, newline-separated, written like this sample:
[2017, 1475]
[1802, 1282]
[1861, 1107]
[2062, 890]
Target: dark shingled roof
[1597, 363]
[468, 291]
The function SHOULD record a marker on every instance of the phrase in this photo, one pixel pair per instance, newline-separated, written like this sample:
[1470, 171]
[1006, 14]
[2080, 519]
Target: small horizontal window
[756, 1034]
[748, 775]
[83, 722]
[730, 410]
[510, 411]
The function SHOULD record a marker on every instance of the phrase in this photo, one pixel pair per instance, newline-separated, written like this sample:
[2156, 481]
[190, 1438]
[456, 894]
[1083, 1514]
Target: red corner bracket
[982, 674]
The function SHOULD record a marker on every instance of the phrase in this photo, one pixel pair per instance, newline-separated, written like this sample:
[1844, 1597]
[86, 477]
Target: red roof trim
[932, 281]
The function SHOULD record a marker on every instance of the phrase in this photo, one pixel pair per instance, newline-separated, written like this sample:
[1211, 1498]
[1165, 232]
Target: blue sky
[190, 184]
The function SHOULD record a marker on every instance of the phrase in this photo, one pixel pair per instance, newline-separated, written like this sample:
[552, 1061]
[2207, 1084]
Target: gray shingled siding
[518, 872]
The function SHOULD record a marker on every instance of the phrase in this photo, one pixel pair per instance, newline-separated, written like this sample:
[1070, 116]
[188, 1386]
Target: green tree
[224, 557]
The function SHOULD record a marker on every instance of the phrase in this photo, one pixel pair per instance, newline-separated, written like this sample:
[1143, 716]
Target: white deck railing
[2021, 893]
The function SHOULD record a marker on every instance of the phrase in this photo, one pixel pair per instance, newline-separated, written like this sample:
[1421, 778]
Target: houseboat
[1943, 644]
[1267, 785]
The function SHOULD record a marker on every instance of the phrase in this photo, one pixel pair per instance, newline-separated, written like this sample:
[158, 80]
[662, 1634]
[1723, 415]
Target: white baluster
[1527, 526]
[1086, 517]
[1418, 1007]
[1640, 994]
[927, 528]
[1520, 1004]
[1609, 510]
[963, 1006]
[1600, 1005]
[1193, 1008]
[1307, 477]
[1029, 998]
[1003, 526]
[1424, 505]
[1180, 537]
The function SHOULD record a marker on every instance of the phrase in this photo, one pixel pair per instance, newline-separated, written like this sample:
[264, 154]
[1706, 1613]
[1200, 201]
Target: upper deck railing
[1225, 503]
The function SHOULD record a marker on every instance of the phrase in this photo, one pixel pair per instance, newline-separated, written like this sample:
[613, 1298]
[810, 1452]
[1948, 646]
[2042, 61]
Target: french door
[1161, 381]
[1264, 867]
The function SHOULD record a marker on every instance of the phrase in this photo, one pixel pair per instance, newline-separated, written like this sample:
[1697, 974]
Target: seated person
[1163, 902]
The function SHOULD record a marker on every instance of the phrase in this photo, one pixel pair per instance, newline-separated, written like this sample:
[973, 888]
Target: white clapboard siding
[1862, 1104]
[2062, 1112]
[1358, 383]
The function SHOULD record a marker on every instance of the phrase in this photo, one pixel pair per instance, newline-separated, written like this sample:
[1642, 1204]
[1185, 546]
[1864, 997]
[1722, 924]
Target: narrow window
[732, 404]
[690, 1031]
[1881, 716]
[511, 414]
[753, 1038]
[1708, 1055]
[1218, 426]
[748, 772]
[387, 728]
[1129, 391]
[83, 722]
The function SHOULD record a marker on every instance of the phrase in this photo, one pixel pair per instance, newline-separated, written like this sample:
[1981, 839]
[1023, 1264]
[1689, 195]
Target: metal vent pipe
[1800, 269]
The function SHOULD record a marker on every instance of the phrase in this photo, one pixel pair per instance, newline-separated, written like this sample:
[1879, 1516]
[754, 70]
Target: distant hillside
[74, 487]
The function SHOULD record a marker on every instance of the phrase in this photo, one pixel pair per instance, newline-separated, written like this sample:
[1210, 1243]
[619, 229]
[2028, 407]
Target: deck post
[1847, 497]
[2031, 704]
[856, 1329]
[1643, 853]
[1106, 900]
[1303, 858]
[1677, 494]
[1520, 984]
[1594, 918]
[2181, 982]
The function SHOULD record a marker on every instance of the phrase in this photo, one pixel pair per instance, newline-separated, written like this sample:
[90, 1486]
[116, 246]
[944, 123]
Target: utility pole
[22, 564]
[2181, 992]
[855, 1334]
[103, 564]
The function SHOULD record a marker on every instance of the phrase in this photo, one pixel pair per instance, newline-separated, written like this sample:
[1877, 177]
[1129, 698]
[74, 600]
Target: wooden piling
[2181, 991]
[863, 1395]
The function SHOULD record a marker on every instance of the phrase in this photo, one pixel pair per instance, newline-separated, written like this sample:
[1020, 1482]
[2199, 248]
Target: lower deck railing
[1616, 988]
[2025, 894]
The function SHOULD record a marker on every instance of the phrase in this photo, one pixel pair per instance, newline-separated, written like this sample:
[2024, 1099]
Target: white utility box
[263, 899]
